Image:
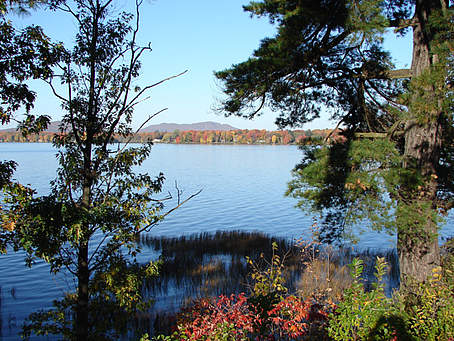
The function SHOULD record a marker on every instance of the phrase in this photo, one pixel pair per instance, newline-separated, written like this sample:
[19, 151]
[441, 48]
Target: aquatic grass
[210, 264]
[213, 264]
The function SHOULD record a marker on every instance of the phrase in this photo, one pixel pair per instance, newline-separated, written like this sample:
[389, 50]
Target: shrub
[234, 319]
[420, 311]
[295, 319]
[428, 308]
[268, 314]
[269, 281]
[363, 315]
[224, 319]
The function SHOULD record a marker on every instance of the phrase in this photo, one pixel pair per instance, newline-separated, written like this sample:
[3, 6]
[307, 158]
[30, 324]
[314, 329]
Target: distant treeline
[245, 136]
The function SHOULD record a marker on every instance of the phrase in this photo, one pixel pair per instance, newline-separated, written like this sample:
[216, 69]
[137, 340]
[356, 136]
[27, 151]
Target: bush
[234, 319]
[422, 311]
[363, 315]
[428, 308]
[295, 319]
[224, 319]
[268, 314]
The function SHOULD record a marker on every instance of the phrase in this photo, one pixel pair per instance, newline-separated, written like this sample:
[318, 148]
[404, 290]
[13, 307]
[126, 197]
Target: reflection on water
[243, 189]
[205, 265]
[212, 264]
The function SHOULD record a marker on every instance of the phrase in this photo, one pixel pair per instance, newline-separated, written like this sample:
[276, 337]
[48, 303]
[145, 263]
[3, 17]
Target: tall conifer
[394, 168]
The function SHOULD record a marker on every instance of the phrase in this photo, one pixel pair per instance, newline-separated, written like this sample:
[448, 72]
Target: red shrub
[210, 317]
[234, 318]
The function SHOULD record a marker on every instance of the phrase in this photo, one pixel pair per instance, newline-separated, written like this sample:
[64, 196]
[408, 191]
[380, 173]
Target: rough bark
[419, 255]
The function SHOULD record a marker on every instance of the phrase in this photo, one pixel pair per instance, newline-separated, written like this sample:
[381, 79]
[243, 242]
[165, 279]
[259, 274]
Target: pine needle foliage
[393, 168]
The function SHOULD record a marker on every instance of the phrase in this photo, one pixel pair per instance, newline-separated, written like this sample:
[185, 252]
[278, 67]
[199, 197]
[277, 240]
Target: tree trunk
[83, 278]
[418, 245]
[82, 318]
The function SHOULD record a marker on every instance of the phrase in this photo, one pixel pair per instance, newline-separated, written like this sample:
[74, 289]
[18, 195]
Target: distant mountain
[52, 128]
[164, 127]
[170, 127]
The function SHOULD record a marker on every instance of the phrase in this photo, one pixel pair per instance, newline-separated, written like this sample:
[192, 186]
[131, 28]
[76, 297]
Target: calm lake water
[243, 189]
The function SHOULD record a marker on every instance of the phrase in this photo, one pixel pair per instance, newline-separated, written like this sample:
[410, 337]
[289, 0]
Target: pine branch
[401, 24]
[387, 74]
[400, 73]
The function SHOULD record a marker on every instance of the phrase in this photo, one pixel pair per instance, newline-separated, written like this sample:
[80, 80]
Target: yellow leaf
[10, 225]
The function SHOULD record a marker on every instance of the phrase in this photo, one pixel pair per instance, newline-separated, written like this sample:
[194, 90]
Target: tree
[24, 54]
[188, 137]
[98, 205]
[393, 167]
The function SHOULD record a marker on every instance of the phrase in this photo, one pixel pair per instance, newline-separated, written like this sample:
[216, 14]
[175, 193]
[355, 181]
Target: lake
[242, 189]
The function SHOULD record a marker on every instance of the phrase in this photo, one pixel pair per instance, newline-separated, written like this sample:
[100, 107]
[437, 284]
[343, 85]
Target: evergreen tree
[98, 205]
[394, 167]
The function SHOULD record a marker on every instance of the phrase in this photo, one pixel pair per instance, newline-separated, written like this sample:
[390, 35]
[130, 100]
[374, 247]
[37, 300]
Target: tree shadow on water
[320, 181]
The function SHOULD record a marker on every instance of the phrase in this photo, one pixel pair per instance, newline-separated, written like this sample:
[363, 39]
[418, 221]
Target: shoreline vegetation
[235, 285]
[209, 265]
[240, 136]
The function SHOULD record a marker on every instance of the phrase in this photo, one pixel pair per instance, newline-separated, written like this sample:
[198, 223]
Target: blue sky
[201, 36]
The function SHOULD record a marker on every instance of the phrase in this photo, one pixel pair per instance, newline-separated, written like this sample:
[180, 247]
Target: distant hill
[163, 127]
[52, 128]
[170, 127]
[196, 133]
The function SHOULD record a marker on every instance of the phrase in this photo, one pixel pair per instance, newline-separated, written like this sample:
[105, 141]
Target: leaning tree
[392, 168]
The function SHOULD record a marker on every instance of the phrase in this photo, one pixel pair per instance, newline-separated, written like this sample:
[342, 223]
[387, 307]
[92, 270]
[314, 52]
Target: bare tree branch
[148, 226]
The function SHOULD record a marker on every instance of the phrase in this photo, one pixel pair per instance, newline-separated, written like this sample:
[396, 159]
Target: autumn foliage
[244, 136]
[269, 313]
[209, 318]
[235, 317]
